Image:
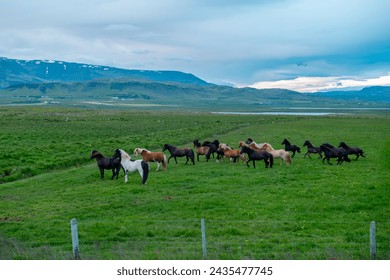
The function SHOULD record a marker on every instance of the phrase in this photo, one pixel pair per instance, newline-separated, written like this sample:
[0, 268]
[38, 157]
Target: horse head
[286, 142]
[196, 143]
[117, 153]
[95, 154]
[343, 145]
[249, 140]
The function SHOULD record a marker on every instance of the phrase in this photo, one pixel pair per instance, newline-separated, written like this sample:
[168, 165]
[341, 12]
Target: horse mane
[242, 144]
[267, 147]
[95, 153]
[224, 146]
[139, 151]
[124, 154]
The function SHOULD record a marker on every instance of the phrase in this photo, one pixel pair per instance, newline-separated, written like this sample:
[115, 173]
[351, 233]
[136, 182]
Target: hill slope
[14, 72]
[61, 83]
[375, 93]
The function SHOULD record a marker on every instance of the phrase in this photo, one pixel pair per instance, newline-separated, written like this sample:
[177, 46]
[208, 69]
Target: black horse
[290, 147]
[352, 150]
[258, 155]
[107, 163]
[179, 152]
[311, 149]
[214, 148]
[332, 152]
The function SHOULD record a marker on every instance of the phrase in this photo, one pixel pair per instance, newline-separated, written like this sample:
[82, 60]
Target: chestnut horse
[230, 153]
[149, 156]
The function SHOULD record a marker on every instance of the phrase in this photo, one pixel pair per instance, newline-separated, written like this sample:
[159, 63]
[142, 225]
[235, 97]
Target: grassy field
[308, 210]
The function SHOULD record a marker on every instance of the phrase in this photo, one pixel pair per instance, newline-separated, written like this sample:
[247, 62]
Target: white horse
[132, 166]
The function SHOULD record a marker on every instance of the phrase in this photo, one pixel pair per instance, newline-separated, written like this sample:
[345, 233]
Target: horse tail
[288, 158]
[192, 156]
[271, 160]
[164, 162]
[145, 169]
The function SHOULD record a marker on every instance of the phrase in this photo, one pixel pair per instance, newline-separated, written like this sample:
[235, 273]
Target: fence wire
[225, 239]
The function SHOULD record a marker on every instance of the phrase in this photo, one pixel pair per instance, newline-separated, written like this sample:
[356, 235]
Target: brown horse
[200, 150]
[231, 153]
[149, 156]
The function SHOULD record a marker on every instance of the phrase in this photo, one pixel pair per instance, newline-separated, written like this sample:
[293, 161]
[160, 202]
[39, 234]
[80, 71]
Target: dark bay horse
[352, 150]
[332, 152]
[290, 147]
[258, 155]
[214, 148]
[179, 152]
[106, 163]
[311, 149]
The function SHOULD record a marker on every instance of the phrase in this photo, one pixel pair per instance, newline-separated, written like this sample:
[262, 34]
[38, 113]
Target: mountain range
[77, 84]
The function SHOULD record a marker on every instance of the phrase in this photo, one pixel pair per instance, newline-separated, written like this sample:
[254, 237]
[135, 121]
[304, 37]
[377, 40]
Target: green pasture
[308, 210]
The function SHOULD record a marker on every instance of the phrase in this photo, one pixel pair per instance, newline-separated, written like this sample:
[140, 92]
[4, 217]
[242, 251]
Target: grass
[308, 210]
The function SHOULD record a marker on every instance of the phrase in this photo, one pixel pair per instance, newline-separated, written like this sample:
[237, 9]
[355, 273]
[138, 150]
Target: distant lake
[304, 111]
[279, 113]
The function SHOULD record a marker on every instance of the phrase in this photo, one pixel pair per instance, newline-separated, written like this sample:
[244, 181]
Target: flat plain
[309, 210]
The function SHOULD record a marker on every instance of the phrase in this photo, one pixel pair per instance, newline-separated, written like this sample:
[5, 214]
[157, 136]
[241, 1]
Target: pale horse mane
[224, 146]
[263, 146]
[138, 151]
[124, 155]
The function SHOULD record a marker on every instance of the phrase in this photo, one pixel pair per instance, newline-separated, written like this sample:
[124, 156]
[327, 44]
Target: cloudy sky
[304, 45]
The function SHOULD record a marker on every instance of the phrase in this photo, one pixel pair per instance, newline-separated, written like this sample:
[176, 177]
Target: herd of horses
[248, 151]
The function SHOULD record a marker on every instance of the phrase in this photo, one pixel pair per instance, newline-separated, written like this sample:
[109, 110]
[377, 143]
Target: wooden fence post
[373, 240]
[204, 247]
[75, 239]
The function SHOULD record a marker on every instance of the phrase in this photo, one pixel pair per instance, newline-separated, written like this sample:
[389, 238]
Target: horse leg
[164, 163]
[293, 153]
[126, 176]
[118, 169]
[101, 173]
[158, 165]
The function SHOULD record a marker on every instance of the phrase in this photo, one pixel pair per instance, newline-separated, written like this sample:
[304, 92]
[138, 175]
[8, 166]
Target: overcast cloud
[304, 45]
